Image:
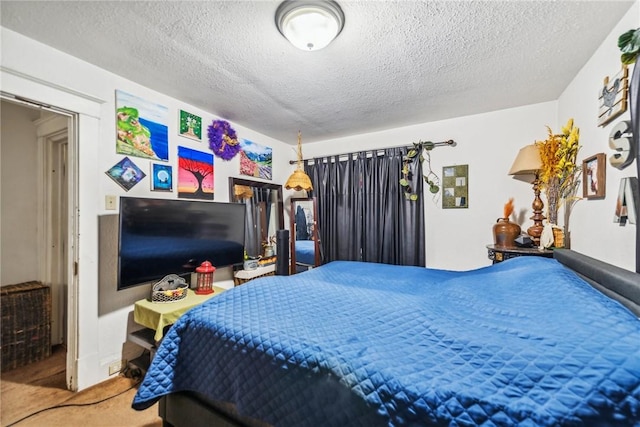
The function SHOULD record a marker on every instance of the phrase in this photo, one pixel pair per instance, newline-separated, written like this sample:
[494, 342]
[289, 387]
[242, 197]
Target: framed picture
[612, 97]
[190, 125]
[141, 127]
[594, 177]
[161, 177]
[455, 187]
[195, 174]
[256, 159]
[126, 173]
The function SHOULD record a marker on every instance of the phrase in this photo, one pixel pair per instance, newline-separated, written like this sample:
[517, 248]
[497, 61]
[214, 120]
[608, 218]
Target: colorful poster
[161, 177]
[190, 125]
[126, 173]
[195, 174]
[141, 127]
[255, 159]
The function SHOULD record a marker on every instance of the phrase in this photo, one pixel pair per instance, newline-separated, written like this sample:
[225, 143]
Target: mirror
[305, 239]
[264, 214]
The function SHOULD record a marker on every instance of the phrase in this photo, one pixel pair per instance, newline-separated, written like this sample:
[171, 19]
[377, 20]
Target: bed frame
[191, 409]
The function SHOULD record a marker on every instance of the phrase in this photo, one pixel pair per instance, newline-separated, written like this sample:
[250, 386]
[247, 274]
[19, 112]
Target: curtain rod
[428, 145]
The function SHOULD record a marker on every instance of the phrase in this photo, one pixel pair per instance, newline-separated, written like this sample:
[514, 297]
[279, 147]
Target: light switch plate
[110, 203]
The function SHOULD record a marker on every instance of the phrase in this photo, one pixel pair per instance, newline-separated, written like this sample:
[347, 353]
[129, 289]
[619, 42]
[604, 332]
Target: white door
[57, 218]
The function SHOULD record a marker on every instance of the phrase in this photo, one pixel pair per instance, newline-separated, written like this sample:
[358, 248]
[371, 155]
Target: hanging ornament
[223, 140]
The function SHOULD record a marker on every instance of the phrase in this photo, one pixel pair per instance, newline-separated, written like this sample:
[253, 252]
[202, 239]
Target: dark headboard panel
[615, 282]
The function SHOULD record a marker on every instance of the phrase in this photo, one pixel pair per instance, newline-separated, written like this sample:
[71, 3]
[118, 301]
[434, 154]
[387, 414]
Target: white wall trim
[75, 93]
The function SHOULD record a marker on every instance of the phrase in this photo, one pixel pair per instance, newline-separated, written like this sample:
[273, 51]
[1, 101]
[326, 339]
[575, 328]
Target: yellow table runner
[157, 316]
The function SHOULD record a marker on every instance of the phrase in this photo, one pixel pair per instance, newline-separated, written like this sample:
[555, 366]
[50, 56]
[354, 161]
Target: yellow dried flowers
[559, 174]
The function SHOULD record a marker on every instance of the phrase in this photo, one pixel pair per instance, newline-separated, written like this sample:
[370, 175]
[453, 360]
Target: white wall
[488, 143]
[593, 230]
[18, 179]
[456, 239]
[36, 71]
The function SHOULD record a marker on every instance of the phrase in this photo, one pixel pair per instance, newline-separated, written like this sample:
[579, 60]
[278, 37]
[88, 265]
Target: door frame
[84, 112]
[51, 132]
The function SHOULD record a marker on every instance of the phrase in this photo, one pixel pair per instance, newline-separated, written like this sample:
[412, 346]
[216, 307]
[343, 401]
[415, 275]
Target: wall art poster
[255, 159]
[126, 173]
[141, 127]
[455, 187]
[195, 174]
[161, 177]
[190, 125]
[612, 98]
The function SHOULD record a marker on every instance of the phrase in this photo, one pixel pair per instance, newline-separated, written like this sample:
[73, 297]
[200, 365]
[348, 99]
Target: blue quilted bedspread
[522, 342]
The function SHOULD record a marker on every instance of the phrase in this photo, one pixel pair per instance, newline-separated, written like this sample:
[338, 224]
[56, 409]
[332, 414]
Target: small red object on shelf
[205, 278]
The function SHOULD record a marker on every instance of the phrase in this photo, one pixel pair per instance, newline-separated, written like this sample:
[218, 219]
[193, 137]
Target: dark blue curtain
[362, 212]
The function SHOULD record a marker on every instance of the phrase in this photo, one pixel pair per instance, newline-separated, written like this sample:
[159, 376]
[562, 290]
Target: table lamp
[528, 162]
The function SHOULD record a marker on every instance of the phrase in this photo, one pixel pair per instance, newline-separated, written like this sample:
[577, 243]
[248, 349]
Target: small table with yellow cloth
[157, 316]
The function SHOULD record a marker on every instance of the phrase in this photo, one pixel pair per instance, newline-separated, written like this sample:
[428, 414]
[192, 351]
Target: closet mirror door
[264, 214]
[305, 242]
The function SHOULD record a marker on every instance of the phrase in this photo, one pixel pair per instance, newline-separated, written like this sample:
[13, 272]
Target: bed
[529, 341]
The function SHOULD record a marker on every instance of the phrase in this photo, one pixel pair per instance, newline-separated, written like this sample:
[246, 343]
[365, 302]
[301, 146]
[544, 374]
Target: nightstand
[498, 254]
[157, 317]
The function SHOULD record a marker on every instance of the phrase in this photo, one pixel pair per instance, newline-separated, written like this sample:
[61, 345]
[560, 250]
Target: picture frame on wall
[161, 177]
[195, 174]
[594, 176]
[126, 173]
[190, 126]
[455, 184]
[612, 96]
[256, 160]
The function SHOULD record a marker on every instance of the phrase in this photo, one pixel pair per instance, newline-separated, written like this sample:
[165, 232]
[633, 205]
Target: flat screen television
[158, 237]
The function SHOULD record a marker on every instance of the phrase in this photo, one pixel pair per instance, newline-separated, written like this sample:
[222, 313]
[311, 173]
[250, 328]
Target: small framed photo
[190, 125]
[594, 176]
[161, 177]
[455, 187]
[126, 173]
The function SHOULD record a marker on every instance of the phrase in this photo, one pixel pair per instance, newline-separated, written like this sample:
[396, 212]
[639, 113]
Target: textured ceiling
[395, 63]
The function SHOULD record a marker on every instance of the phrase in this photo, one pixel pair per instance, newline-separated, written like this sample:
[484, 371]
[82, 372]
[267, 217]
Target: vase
[505, 233]
[552, 202]
[268, 251]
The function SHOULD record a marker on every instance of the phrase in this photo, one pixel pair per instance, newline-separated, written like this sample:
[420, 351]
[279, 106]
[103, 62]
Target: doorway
[35, 207]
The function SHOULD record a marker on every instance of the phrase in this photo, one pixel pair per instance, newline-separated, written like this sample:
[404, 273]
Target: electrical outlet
[110, 203]
[116, 367]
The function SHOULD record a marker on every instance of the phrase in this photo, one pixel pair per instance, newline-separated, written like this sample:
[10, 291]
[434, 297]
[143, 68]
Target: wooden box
[26, 324]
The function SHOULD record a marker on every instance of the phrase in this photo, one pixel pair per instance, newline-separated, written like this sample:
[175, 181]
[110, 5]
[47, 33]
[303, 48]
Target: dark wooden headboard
[615, 282]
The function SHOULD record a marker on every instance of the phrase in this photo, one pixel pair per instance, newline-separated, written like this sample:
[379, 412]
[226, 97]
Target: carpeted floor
[41, 385]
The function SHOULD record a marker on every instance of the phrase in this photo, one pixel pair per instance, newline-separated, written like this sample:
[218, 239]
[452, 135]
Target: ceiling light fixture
[309, 25]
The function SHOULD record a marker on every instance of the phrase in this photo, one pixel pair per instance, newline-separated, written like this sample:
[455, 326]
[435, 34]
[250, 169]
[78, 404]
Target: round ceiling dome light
[309, 25]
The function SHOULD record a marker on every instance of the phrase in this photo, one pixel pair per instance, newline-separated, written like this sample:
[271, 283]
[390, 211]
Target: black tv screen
[158, 237]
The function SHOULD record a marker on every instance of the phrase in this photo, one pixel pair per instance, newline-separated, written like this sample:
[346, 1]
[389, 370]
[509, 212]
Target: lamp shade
[299, 180]
[527, 161]
[309, 25]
